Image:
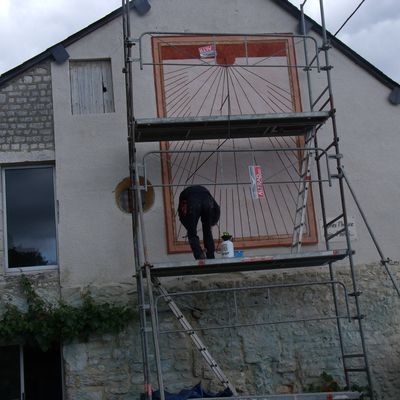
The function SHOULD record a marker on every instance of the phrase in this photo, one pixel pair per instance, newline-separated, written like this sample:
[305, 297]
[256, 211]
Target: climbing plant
[326, 383]
[45, 324]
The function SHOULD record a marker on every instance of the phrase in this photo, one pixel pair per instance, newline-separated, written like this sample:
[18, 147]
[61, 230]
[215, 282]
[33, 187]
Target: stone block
[75, 356]
[35, 139]
[41, 71]
[27, 79]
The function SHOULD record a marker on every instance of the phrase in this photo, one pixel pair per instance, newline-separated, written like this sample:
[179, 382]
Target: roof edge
[285, 4]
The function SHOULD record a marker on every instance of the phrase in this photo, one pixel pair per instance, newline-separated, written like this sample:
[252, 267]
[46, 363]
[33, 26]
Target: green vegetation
[45, 324]
[327, 383]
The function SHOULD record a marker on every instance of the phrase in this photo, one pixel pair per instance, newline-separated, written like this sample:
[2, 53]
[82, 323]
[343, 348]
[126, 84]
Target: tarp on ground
[195, 392]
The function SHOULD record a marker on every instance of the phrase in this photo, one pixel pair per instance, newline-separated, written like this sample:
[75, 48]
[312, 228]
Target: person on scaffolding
[196, 202]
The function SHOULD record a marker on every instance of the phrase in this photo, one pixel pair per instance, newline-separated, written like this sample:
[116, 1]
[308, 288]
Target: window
[29, 373]
[91, 87]
[30, 222]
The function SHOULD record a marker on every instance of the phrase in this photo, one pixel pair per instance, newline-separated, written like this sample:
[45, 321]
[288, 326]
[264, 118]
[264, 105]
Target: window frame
[34, 268]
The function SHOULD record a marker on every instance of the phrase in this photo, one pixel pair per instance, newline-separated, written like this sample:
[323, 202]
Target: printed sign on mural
[338, 226]
[208, 51]
[256, 182]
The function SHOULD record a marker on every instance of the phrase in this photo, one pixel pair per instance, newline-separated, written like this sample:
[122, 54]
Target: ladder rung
[302, 191]
[300, 208]
[309, 139]
[336, 234]
[356, 369]
[298, 226]
[353, 355]
[304, 175]
[334, 220]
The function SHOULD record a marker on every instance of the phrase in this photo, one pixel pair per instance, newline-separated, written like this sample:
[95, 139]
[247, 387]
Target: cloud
[39, 24]
[379, 44]
[372, 31]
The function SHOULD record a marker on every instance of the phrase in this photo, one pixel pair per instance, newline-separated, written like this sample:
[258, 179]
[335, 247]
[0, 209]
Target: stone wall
[26, 111]
[270, 358]
[46, 284]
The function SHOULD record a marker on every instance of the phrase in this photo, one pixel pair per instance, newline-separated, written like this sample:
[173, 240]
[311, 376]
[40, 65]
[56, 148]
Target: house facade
[65, 172]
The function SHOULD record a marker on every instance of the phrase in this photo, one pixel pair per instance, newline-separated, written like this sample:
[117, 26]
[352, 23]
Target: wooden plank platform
[243, 264]
[224, 127]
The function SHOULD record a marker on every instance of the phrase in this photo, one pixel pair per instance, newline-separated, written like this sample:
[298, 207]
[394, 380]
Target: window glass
[9, 373]
[39, 372]
[30, 217]
[42, 373]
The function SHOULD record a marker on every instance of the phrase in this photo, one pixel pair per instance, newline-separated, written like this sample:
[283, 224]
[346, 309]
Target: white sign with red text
[256, 182]
[207, 51]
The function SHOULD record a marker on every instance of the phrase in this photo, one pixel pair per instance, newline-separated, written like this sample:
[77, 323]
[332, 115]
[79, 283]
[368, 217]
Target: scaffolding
[233, 127]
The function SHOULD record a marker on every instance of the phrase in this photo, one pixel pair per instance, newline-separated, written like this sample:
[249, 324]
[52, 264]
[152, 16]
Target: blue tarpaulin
[195, 392]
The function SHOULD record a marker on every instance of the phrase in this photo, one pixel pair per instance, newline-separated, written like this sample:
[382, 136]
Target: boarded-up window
[91, 87]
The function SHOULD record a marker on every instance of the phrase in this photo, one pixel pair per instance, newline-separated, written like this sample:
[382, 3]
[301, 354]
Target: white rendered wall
[92, 153]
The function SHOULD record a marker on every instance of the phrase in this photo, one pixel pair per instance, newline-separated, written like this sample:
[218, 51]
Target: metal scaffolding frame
[322, 108]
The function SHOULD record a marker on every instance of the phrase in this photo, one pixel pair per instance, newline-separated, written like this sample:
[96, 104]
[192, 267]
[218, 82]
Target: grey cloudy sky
[32, 26]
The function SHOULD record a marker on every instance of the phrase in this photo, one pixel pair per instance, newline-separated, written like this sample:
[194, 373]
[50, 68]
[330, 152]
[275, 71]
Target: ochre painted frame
[161, 45]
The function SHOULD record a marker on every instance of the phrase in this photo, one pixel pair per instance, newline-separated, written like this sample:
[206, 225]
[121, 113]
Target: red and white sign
[256, 182]
[208, 51]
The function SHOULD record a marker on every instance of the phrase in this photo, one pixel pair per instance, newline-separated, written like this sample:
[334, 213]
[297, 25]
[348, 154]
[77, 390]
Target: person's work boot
[201, 256]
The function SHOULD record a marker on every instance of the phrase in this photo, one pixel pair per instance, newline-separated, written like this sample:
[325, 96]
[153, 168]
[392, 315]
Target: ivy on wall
[46, 324]
[326, 383]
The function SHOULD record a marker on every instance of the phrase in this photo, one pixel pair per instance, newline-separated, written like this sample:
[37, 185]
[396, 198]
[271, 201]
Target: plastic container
[227, 249]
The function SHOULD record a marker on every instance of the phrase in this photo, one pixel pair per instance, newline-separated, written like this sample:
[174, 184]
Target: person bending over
[196, 202]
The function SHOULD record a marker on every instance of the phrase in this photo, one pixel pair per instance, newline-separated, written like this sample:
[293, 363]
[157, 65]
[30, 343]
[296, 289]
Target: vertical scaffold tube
[135, 220]
[325, 49]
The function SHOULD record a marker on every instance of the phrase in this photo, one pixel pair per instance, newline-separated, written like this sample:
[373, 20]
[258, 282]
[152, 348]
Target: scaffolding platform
[243, 264]
[228, 127]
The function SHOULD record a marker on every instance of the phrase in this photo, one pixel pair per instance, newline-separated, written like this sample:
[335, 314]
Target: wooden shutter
[91, 87]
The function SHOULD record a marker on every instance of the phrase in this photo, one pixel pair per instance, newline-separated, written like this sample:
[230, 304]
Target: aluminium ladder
[304, 188]
[215, 368]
